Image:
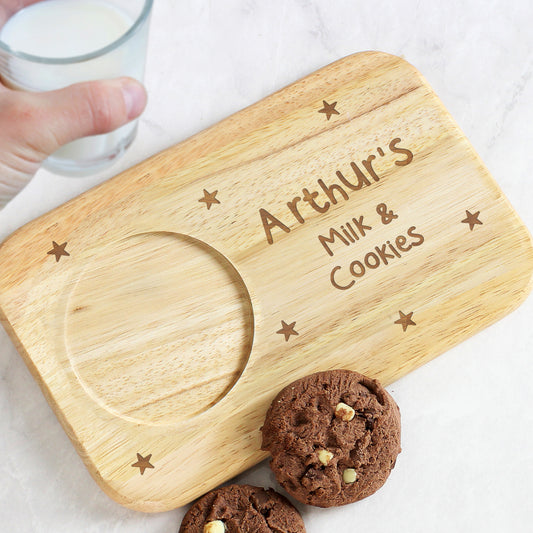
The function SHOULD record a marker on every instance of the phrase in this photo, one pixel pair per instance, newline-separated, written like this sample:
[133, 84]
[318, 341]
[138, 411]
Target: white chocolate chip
[325, 456]
[349, 475]
[217, 526]
[344, 412]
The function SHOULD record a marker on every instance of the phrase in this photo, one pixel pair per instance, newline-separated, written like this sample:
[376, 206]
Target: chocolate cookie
[242, 509]
[333, 436]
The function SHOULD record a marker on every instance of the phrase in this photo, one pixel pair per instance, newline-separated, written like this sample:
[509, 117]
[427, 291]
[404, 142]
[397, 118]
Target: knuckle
[16, 108]
[102, 108]
[23, 115]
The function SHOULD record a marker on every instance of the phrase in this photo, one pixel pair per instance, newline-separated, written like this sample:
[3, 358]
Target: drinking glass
[123, 57]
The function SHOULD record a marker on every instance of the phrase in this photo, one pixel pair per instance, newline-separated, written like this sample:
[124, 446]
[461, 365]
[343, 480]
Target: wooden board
[343, 222]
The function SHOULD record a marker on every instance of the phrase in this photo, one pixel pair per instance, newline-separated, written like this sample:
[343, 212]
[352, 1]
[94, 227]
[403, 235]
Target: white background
[467, 460]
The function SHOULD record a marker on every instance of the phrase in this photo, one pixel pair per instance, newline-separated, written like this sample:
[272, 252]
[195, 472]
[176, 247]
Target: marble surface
[467, 463]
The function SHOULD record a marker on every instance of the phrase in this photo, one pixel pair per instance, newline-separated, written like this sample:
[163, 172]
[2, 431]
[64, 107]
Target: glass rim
[84, 57]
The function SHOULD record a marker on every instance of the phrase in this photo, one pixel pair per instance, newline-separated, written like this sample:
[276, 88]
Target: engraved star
[329, 109]
[209, 199]
[143, 463]
[472, 219]
[405, 320]
[287, 330]
[58, 250]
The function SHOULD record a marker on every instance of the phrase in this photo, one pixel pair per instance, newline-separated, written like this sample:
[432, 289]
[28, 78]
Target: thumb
[83, 109]
[34, 125]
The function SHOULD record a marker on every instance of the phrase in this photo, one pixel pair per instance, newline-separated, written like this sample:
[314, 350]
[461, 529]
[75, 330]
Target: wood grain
[343, 222]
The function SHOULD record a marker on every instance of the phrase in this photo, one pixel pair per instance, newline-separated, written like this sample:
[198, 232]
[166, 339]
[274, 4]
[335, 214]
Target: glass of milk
[50, 44]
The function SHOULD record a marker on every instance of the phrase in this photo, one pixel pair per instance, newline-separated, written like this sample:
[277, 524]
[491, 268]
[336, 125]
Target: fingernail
[134, 96]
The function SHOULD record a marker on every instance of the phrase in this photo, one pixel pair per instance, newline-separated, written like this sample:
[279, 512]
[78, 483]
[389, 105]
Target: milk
[63, 28]
[58, 29]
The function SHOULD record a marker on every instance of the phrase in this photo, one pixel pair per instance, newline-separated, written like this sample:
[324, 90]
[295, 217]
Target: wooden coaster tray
[343, 222]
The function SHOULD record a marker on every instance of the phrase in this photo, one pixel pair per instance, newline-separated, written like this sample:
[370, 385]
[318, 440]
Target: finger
[52, 119]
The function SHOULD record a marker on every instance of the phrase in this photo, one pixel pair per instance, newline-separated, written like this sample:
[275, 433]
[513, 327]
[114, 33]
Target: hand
[34, 125]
